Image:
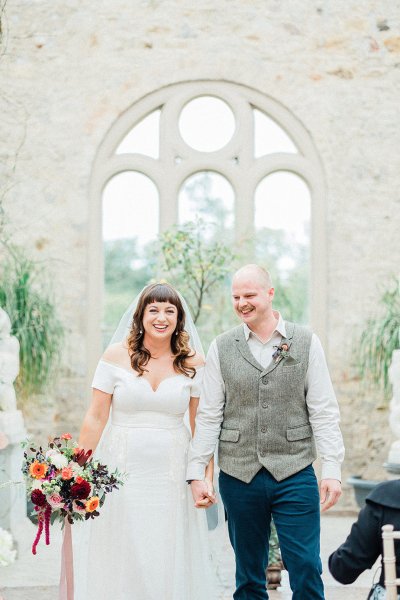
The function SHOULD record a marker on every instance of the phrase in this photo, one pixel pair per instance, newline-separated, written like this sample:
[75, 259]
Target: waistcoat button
[264, 405]
[265, 380]
[262, 452]
[263, 429]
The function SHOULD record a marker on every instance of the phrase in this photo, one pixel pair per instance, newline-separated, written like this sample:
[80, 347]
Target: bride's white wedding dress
[149, 542]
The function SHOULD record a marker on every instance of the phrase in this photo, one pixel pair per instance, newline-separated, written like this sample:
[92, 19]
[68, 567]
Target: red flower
[38, 498]
[81, 457]
[80, 491]
[66, 436]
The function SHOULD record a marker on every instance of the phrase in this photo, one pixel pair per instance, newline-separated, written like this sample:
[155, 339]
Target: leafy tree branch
[195, 262]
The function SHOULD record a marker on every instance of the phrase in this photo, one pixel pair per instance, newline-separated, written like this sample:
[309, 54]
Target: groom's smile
[244, 313]
[251, 300]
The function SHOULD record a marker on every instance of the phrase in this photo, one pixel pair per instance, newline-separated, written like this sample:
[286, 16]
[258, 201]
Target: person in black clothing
[364, 544]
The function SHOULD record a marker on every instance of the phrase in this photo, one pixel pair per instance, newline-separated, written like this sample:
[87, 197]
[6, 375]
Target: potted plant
[275, 564]
[379, 339]
[24, 296]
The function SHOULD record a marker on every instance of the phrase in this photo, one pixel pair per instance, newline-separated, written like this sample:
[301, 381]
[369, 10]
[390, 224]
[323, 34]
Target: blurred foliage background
[199, 257]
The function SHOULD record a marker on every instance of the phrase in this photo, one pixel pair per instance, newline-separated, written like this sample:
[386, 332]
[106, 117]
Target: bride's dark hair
[139, 354]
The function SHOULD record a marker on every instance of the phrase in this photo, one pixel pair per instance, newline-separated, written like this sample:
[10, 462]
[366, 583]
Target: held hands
[203, 493]
[330, 491]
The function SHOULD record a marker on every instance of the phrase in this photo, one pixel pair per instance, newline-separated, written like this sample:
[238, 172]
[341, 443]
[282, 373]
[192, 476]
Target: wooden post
[389, 562]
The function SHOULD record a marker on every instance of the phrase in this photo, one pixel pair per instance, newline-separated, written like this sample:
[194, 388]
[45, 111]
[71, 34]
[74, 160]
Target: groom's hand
[203, 494]
[330, 492]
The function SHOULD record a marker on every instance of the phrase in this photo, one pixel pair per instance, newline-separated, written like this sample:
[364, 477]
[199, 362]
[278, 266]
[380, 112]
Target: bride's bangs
[160, 292]
[180, 342]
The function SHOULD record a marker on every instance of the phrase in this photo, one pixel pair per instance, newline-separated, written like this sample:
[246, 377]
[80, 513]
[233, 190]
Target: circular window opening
[207, 123]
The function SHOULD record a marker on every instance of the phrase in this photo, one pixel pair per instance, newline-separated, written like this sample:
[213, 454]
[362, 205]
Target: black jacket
[364, 544]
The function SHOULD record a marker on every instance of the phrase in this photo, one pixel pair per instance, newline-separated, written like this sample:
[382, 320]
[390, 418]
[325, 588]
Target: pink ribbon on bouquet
[66, 589]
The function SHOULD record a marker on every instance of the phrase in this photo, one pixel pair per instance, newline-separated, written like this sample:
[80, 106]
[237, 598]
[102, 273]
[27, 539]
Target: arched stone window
[250, 138]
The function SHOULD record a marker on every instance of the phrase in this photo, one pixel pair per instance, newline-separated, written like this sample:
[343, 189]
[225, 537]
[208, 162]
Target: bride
[150, 542]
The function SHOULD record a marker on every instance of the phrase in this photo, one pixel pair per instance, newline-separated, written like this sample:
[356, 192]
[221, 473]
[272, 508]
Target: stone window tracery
[251, 137]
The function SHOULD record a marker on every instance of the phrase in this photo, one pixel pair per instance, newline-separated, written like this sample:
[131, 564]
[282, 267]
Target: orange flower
[38, 470]
[92, 504]
[66, 436]
[79, 479]
[67, 473]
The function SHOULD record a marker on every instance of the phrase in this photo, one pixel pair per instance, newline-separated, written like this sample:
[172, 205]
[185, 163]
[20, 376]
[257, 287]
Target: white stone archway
[235, 161]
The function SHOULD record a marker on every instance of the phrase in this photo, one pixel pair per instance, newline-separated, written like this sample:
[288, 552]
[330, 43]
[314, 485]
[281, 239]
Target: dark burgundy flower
[38, 498]
[80, 491]
[81, 457]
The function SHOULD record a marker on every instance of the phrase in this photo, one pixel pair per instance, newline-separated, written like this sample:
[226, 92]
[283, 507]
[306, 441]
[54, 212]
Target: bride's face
[160, 319]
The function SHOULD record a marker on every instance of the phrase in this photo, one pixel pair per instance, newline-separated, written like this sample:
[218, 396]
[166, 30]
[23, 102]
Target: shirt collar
[280, 327]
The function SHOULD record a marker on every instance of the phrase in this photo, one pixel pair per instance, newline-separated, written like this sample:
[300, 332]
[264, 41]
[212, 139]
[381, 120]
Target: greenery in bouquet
[65, 482]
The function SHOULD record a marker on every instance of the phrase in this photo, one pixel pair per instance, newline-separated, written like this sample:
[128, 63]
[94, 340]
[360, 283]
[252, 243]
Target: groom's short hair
[261, 274]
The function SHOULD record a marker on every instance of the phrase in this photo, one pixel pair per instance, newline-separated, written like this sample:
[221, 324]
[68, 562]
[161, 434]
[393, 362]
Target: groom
[268, 397]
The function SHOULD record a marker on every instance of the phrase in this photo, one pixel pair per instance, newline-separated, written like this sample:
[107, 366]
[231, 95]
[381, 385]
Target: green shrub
[380, 338]
[25, 296]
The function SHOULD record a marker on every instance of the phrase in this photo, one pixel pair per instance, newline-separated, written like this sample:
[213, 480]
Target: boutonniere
[281, 352]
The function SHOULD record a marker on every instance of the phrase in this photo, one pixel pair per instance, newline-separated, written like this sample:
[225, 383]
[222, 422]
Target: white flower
[76, 469]
[36, 485]
[57, 459]
[7, 554]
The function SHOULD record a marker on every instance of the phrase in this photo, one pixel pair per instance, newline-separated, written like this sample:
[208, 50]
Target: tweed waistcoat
[266, 420]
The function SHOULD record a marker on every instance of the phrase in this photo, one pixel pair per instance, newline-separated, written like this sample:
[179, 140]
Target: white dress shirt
[321, 402]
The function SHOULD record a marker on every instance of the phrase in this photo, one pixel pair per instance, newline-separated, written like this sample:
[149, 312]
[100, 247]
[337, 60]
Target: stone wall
[68, 71]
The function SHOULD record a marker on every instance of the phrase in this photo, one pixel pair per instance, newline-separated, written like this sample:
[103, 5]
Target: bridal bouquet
[64, 483]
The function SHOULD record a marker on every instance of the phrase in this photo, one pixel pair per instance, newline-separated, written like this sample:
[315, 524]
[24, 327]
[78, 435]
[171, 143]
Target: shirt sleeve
[104, 377]
[195, 388]
[209, 417]
[324, 413]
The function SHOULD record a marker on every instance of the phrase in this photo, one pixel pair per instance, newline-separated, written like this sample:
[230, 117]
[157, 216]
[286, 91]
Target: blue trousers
[294, 505]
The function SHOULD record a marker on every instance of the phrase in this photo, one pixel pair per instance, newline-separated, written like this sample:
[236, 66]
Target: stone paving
[36, 578]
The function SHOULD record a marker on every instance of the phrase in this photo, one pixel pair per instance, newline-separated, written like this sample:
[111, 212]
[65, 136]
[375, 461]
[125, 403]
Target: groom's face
[252, 301]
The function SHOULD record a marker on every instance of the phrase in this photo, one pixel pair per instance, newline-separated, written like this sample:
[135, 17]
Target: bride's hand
[210, 490]
[203, 493]
[210, 498]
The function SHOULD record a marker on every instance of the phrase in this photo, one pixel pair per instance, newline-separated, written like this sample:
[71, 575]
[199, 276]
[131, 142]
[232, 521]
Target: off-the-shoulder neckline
[134, 374]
